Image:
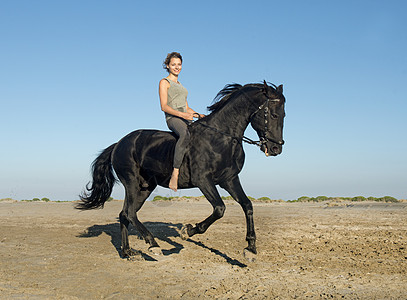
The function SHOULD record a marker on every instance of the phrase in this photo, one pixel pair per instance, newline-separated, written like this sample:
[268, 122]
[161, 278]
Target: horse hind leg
[126, 251]
[135, 197]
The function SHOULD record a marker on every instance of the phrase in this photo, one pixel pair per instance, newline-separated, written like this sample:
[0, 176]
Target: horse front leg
[211, 194]
[234, 188]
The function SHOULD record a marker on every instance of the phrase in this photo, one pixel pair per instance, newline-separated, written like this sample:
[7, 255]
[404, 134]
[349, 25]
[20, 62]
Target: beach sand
[50, 250]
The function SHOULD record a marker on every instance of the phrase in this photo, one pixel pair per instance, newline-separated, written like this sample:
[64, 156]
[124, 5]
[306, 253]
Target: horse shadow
[161, 230]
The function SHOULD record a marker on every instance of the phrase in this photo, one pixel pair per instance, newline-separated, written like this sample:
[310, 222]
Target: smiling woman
[173, 100]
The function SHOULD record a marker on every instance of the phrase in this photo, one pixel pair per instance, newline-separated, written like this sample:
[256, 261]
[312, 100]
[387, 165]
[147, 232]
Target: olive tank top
[177, 97]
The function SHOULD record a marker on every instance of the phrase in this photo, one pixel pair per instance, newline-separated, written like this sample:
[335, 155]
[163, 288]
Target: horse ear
[280, 89]
[266, 87]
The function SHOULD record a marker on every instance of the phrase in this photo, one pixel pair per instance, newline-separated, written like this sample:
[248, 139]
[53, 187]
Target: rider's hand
[188, 116]
[198, 116]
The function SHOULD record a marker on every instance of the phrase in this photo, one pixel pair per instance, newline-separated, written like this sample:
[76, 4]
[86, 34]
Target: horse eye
[274, 116]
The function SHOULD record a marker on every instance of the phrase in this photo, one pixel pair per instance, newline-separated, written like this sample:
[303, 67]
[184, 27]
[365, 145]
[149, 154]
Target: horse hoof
[135, 258]
[130, 254]
[249, 256]
[184, 231]
[155, 251]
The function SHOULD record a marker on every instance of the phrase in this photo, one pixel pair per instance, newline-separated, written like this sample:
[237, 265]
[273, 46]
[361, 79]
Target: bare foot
[174, 180]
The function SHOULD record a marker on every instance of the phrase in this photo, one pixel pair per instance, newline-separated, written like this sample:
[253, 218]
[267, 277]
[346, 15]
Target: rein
[240, 140]
[224, 133]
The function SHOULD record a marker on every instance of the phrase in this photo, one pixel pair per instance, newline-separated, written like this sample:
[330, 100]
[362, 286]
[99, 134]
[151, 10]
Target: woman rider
[173, 100]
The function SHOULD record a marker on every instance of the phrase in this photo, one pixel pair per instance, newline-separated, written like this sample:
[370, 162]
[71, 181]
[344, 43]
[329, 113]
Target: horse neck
[233, 117]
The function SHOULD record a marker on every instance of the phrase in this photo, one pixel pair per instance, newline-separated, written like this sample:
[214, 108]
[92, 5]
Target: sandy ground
[51, 251]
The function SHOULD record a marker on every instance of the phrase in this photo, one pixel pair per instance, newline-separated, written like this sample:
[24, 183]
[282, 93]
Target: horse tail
[103, 181]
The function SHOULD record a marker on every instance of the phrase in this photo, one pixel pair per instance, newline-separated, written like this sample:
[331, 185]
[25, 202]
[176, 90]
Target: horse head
[268, 119]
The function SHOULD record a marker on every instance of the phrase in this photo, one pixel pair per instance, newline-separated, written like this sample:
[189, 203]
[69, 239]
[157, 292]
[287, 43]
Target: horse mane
[225, 94]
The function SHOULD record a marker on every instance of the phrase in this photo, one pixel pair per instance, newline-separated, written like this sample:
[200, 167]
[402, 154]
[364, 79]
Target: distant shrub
[304, 199]
[358, 198]
[6, 199]
[36, 199]
[388, 199]
[264, 199]
[45, 199]
[320, 198]
[311, 199]
[160, 198]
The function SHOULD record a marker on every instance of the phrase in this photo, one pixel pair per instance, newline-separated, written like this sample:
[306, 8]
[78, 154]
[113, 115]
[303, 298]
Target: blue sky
[76, 76]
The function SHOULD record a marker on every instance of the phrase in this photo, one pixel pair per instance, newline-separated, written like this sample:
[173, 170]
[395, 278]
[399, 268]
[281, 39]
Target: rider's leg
[180, 128]
[174, 180]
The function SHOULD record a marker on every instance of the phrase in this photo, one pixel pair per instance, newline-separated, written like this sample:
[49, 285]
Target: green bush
[6, 199]
[264, 199]
[388, 199]
[358, 198]
[159, 198]
[304, 199]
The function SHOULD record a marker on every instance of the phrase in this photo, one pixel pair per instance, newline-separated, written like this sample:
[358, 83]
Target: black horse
[143, 159]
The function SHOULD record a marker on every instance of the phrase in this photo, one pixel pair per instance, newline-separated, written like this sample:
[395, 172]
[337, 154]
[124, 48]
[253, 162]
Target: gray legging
[180, 128]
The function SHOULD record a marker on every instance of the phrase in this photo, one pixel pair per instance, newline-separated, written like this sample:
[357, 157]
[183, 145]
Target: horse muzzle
[272, 148]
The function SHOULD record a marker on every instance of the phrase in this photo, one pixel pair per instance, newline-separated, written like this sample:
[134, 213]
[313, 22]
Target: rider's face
[175, 66]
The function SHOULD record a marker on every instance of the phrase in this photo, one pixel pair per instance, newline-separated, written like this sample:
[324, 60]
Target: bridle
[263, 138]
